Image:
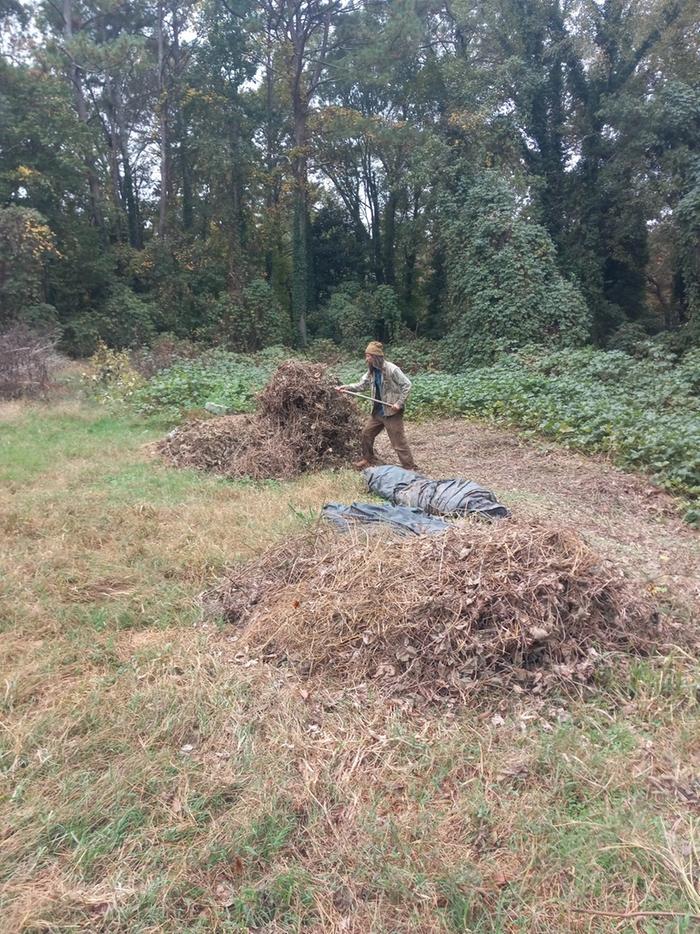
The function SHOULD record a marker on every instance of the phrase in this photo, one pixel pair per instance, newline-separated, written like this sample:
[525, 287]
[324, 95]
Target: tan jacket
[395, 386]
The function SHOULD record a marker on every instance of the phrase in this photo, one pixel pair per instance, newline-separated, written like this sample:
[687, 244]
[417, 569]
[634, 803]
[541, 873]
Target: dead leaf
[224, 894]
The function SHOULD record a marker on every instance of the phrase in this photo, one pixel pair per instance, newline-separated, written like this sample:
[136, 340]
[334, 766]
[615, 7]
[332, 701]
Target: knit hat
[376, 348]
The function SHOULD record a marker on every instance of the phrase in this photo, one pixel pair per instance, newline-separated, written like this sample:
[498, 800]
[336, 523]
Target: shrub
[125, 320]
[349, 319]
[164, 351]
[628, 337]
[41, 317]
[324, 350]
[256, 321]
[418, 356]
[110, 375]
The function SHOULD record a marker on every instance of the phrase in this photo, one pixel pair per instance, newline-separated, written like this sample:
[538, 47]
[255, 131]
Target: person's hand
[340, 388]
[396, 408]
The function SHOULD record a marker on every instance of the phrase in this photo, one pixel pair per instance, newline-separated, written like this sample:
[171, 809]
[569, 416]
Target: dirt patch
[511, 606]
[622, 515]
[302, 424]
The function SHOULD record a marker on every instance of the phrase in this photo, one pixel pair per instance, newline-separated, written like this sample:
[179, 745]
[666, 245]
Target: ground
[154, 781]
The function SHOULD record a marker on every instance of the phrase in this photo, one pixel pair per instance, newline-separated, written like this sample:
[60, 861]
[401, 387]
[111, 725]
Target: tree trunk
[389, 238]
[181, 129]
[163, 127]
[300, 233]
[76, 79]
[235, 258]
[133, 212]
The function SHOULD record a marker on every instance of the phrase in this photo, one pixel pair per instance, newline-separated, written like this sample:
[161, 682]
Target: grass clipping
[301, 424]
[439, 617]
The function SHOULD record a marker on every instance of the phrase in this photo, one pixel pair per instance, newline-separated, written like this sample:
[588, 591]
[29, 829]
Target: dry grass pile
[234, 446]
[439, 617]
[302, 424]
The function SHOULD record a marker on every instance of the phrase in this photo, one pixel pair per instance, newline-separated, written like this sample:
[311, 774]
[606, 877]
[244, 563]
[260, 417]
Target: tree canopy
[247, 173]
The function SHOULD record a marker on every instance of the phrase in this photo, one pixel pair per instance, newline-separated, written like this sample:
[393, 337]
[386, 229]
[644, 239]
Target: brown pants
[374, 425]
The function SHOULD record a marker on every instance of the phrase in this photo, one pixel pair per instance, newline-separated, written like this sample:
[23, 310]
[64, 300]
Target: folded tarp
[402, 519]
[435, 497]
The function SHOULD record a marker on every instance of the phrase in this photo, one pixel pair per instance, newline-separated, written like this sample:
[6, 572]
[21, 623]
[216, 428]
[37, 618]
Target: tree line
[486, 172]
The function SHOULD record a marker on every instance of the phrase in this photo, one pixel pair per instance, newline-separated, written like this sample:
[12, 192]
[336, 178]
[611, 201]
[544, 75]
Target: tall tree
[304, 32]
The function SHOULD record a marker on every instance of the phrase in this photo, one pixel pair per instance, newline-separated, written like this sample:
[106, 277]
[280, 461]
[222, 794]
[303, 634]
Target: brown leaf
[224, 894]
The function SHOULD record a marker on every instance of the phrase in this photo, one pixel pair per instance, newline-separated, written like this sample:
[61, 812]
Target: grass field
[152, 783]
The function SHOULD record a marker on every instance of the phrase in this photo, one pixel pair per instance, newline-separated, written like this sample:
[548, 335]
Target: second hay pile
[521, 607]
[301, 424]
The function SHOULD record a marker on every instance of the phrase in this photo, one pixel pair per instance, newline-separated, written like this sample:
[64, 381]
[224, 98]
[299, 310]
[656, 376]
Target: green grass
[149, 783]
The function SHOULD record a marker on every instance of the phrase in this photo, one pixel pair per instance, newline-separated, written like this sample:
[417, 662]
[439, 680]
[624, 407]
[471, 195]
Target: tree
[303, 30]
[26, 243]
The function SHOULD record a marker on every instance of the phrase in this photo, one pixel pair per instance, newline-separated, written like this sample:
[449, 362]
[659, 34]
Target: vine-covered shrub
[505, 288]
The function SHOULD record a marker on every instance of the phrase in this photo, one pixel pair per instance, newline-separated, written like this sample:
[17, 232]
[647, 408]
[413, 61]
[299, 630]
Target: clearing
[153, 781]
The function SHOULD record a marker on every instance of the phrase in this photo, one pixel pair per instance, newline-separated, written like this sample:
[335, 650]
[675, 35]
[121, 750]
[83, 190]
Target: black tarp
[402, 519]
[435, 497]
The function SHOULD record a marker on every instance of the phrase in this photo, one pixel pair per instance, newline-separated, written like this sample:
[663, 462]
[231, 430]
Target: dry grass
[155, 781]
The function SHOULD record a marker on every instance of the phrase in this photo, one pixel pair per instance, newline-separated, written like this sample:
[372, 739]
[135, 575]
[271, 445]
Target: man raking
[389, 388]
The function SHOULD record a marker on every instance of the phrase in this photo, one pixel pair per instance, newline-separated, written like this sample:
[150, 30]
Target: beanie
[375, 348]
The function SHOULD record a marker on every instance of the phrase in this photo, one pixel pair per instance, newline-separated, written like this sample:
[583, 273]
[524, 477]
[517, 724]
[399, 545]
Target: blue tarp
[402, 519]
[435, 497]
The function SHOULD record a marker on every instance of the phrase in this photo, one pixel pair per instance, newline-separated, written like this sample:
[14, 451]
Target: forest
[486, 175]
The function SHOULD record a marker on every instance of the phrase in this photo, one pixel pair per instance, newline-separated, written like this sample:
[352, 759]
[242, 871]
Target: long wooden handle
[349, 392]
[359, 395]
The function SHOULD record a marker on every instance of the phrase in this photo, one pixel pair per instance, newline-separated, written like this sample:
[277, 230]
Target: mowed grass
[152, 781]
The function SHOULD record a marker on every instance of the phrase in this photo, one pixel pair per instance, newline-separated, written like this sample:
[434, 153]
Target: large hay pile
[301, 424]
[439, 617]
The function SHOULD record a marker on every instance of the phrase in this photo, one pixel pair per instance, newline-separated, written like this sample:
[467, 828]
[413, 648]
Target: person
[389, 390]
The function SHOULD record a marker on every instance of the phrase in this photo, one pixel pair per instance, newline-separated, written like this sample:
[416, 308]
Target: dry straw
[301, 424]
[521, 607]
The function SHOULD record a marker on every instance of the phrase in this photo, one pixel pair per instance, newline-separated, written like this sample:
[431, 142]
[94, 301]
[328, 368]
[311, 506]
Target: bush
[41, 317]
[110, 375]
[164, 351]
[125, 320]
[324, 350]
[418, 356]
[26, 361]
[349, 320]
[257, 321]
[628, 337]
